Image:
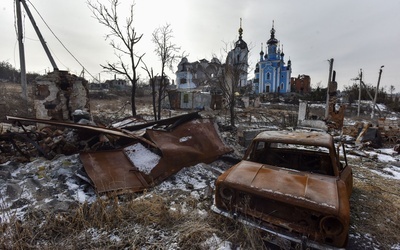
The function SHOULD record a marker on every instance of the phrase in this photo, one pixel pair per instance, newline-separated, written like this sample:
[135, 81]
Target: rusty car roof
[268, 180]
[297, 137]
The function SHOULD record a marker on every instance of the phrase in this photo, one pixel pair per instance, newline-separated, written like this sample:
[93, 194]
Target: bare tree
[167, 52]
[233, 71]
[152, 82]
[392, 89]
[123, 38]
[231, 76]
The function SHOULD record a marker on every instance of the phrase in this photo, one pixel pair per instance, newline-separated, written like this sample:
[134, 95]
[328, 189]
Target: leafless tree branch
[122, 39]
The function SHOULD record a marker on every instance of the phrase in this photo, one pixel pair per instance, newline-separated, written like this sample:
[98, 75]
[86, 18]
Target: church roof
[240, 43]
[272, 40]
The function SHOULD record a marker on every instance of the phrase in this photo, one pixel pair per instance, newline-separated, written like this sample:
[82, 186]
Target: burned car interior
[295, 157]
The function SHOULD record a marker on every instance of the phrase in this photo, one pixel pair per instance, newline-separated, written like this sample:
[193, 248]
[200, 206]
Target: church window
[183, 81]
[186, 98]
[267, 89]
[268, 76]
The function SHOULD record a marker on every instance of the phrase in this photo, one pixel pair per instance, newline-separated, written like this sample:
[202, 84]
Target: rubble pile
[55, 167]
[42, 184]
[353, 129]
[22, 144]
[390, 129]
[58, 94]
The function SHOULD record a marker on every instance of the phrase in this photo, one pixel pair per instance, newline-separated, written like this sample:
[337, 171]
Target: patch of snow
[383, 155]
[81, 196]
[385, 158]
[115, 238]
[382, 107]
[142, 158]
[72, 185]
[186, 138]
[195, 195]
[202, 213]
[188, 179]
[391, 172]
[395, 247]
[388, 151]
[317, 105]
[215, 243]
[94, 233]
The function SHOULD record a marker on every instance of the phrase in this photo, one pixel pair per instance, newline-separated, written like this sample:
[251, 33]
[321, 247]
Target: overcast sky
[358, 34]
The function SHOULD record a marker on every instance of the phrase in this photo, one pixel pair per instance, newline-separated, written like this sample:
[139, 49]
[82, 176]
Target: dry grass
[154, 221]
[136, 222]
[375, 204]
[12, 103]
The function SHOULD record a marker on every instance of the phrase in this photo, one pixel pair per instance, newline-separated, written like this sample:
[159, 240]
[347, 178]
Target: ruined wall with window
[301, 84]
[59, 94]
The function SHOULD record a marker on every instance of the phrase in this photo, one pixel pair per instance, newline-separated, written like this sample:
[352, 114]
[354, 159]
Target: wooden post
[327, 88]
[376, 92]
[359, 94]
[21, 51]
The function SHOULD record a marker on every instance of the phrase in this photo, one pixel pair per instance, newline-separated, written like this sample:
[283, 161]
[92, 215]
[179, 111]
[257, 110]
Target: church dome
[241, 44]
[272, 40]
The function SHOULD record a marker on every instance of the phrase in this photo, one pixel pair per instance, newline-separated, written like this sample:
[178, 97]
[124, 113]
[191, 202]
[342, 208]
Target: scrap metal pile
[126, 157]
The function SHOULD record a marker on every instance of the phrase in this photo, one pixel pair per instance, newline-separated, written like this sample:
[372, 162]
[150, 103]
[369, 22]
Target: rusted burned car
[294, 186]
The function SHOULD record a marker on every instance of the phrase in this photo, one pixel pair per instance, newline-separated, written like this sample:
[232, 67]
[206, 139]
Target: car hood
[300, 188]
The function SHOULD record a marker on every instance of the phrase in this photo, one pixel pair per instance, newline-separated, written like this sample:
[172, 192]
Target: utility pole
[42, 41]
[21, 44]
[359, 95]
[21, 51]
[376, 92]
[327, 88]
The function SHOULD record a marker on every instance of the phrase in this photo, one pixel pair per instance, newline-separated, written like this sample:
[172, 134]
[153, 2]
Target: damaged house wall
[390, 129]
[58, 94]
[335, 117]
[303, 118]
[189, 99]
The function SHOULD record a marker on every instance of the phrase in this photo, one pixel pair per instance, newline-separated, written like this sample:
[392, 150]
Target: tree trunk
[232, 109]
[153, 94]
[133, 95]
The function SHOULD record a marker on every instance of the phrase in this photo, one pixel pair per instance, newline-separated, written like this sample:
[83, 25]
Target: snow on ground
[42, 184]
[193, 178]
[215, 243]
[391, 160]
[54, 185]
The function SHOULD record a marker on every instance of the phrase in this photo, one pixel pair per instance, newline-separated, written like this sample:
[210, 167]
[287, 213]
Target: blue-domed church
[272, 75]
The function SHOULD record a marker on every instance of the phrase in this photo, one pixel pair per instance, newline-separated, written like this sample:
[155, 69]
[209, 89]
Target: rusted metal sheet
[189, 143]
[111, 131]
[113, 171]
[297, 137]
[179, 141]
